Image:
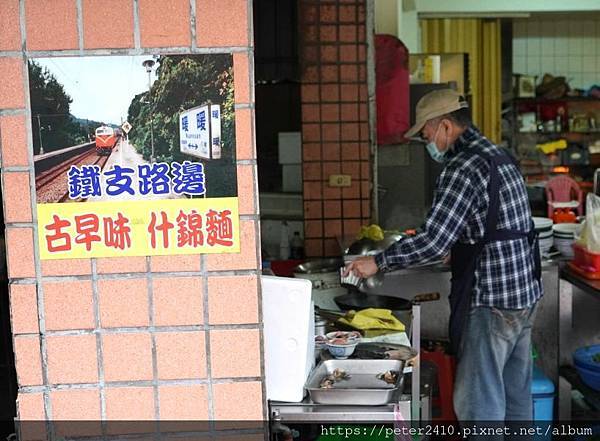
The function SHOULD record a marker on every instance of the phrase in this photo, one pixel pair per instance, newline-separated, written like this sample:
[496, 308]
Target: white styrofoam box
[290, 147]
[292, 178]
[289, 336]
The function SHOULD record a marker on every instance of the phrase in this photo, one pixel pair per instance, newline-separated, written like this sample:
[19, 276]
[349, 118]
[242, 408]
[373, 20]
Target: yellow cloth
[551, 147]
[373, 232]
[372, 318]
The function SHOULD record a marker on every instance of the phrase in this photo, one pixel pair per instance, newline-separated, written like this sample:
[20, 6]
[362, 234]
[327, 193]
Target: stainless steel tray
[362, 388]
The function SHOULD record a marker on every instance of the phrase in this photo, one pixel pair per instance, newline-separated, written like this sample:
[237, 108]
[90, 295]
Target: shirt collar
[470, 135]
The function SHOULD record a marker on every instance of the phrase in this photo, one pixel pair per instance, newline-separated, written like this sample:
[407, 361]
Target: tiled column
[165, 338]
[335, 121]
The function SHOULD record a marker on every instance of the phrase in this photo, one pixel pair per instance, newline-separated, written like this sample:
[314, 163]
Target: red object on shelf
[564, 215]
[392, 89]
[285, 268]
[585, 262]
[446, 368]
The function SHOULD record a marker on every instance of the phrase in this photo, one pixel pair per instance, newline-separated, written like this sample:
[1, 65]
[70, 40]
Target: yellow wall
[480, 38]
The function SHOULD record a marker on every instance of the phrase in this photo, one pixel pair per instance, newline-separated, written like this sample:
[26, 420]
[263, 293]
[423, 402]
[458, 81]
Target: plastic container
[284, 241]
[584, 357]
[589, 377]
[585, 260]
[320, 325]
[542, 391]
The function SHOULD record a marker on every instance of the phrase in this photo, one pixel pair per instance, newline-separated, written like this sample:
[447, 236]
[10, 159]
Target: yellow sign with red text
[138, 228]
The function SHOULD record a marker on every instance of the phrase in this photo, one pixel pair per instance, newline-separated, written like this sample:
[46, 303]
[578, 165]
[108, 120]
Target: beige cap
[435, 103]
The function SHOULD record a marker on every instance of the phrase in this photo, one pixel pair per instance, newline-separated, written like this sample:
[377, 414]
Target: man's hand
[362, 267]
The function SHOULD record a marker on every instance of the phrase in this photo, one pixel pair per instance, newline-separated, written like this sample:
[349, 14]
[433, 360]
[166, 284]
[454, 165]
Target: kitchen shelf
[592, 396]
[587, 132]
[555, 100]
[545, 109]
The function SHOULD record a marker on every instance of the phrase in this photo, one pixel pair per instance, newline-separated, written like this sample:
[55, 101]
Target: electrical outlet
[340, 180]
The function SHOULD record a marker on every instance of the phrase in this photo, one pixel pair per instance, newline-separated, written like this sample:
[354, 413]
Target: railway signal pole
[40, 134]
[148, 64]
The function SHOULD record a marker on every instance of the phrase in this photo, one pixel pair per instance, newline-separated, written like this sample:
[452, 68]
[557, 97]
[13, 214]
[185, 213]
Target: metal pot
[367, 247]
[362, 247]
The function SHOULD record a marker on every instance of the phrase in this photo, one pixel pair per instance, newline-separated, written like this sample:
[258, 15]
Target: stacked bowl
[564, 237]
[587, 363]
[543, 226]
[341, 344]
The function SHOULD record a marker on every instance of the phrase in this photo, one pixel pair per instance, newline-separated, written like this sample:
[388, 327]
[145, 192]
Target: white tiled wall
[562, 46]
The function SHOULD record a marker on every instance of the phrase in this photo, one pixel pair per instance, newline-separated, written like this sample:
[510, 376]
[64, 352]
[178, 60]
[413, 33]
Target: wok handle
[427, 297]
[329, 314]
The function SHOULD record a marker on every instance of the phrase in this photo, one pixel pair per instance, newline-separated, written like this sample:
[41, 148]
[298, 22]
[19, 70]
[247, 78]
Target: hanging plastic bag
[590, 232]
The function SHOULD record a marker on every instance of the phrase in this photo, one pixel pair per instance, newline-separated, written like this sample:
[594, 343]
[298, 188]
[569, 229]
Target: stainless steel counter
[310, 412]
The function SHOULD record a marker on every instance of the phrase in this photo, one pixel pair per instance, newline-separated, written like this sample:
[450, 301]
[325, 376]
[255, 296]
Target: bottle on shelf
[284, 241]
[560, 119]
[539, 124]
[297, 246]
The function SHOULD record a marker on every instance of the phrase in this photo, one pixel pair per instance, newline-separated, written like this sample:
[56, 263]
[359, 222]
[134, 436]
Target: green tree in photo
[184, 82]
[50, 112]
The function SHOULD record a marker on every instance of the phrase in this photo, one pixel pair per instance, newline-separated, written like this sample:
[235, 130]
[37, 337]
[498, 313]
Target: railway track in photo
[51, 185]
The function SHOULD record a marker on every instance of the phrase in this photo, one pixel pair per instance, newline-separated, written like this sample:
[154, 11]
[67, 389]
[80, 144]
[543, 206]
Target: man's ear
[447, 124]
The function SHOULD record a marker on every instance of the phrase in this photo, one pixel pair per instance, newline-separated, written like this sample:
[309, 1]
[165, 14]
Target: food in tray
[326, 383]
[337, 375]
[389, 377]
[340, 374]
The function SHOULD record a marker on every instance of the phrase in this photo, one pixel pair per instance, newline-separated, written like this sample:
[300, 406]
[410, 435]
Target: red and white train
[106, 139]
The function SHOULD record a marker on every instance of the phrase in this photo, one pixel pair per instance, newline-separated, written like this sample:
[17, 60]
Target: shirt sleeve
[452, 205]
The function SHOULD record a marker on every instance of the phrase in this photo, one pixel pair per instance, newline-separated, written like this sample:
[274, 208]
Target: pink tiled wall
[335, 122]
[164, 338]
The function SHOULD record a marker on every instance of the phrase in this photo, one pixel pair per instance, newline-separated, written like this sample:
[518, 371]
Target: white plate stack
[543, 226]
[564, 236]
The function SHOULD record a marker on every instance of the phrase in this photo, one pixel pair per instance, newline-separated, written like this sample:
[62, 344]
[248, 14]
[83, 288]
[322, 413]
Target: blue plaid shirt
[504, 276]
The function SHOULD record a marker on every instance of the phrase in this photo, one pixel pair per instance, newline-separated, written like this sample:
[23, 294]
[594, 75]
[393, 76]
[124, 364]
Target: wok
[319, 266]
[357, 301]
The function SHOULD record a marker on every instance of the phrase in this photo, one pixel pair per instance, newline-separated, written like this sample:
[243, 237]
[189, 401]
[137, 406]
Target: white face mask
[433, 149]
[434, 152]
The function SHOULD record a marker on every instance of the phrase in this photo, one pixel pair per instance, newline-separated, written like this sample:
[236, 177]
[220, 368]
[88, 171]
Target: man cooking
[480, 215]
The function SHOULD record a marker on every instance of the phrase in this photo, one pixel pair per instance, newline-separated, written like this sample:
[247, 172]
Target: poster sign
[200, 132]
[120, 169]
[158, 227]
